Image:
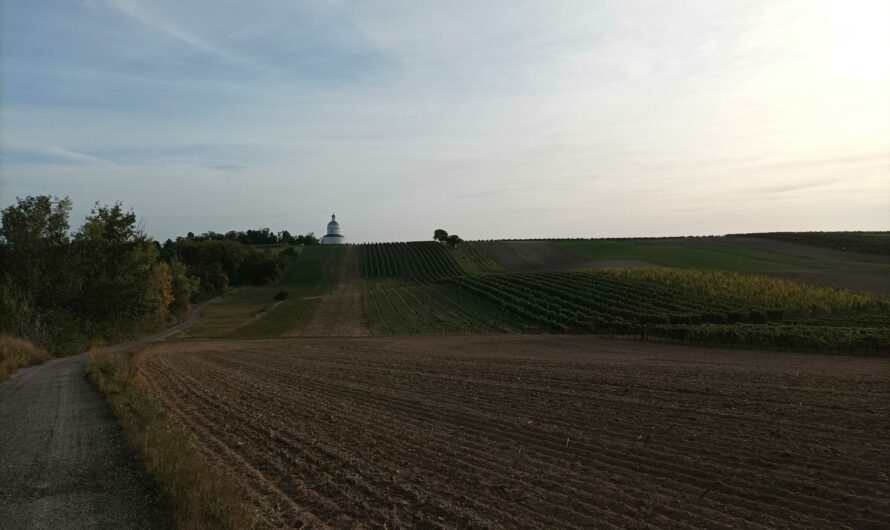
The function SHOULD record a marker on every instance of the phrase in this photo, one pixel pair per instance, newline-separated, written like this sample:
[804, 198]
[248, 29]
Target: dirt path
[340, 313]
[63, 459]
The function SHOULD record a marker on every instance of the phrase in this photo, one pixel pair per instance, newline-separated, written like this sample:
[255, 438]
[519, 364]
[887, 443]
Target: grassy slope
[252, 312]
[697, 253]
[473, 260]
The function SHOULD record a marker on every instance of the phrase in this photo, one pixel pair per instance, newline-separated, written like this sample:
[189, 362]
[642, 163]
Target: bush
[281, 296]
[18, 353]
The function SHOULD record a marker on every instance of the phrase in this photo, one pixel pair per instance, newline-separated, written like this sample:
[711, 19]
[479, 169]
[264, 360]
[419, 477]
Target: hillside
[875, 243]
[571, 286]
[254, 312]
[832, 268]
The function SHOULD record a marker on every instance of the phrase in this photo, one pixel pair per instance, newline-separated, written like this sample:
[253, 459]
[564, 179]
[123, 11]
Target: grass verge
[18, 353]
[197, 494]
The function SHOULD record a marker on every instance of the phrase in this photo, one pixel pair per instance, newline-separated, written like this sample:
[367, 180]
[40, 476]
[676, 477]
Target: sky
[495, 119]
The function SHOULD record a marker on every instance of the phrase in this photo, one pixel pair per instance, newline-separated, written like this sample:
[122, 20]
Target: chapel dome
[333, 237]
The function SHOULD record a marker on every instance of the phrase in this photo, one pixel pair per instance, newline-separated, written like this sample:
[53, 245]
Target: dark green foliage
[420, 261]
[865, 242]
[218, 263]
[62, 292]
[183, 286]
[35, 272]
[440, 235]
[109, 280]
[453, 240]
[260, 236]
[280, 296]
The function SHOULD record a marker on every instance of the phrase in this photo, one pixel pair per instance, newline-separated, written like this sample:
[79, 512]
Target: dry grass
[197, 494]
[18, 353]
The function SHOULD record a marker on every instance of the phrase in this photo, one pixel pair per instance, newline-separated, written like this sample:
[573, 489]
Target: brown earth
[846, 270]
[536, 431]
[528, 256]
[806, 251]
[341, 313]
[868, 281]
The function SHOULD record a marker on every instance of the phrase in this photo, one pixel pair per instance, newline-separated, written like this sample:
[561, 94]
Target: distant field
[537, 432]
[812, 264]
[865, 242]
[252, 312]
[710, 253]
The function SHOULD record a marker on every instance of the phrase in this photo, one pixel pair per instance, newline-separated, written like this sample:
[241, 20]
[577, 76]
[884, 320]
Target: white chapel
[333, 237]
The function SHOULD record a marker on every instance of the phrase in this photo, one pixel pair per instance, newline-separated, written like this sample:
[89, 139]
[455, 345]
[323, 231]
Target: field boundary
[197, 493]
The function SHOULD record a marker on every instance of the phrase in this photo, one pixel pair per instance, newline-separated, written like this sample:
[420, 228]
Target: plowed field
[543, 432]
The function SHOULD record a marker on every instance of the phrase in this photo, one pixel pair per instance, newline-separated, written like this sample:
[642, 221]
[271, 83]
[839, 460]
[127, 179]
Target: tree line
[260, 236]
[107, 279]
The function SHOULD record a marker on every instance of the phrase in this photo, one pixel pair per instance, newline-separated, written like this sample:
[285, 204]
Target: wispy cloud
[38, 153]
[138, 12]
[495, 119]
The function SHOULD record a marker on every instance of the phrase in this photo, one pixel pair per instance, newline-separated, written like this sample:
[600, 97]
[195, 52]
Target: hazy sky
[489, 119]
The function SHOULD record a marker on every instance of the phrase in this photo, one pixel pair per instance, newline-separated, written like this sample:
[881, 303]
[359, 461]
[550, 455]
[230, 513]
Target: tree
[37, 273]
[453, 240]
[123, 283]
[184, 287]
[34, 221]
[440, 235]
[110, 224]
[285, 237]
[308, 239]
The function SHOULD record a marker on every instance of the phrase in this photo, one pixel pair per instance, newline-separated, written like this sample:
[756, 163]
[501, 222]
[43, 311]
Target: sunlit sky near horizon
[490, 119]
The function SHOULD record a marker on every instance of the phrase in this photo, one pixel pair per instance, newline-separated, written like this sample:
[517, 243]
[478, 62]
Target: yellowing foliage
[754, 290]
[18, 353]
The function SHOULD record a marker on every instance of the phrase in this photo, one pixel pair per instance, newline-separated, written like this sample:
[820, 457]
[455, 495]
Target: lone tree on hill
[453, 240]
[440, 235]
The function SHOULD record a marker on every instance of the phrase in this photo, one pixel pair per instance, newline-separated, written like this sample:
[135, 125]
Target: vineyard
[427, 288]
[396, 309]
[702, 307]
[421, 261]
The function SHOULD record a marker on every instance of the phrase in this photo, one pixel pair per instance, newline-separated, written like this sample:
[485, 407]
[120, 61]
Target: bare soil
[529, 256]
[536, 431]
[340, 313]
[807, 251]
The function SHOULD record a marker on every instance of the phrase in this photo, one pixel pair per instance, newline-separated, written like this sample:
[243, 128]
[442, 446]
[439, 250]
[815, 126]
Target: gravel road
[64, 462]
